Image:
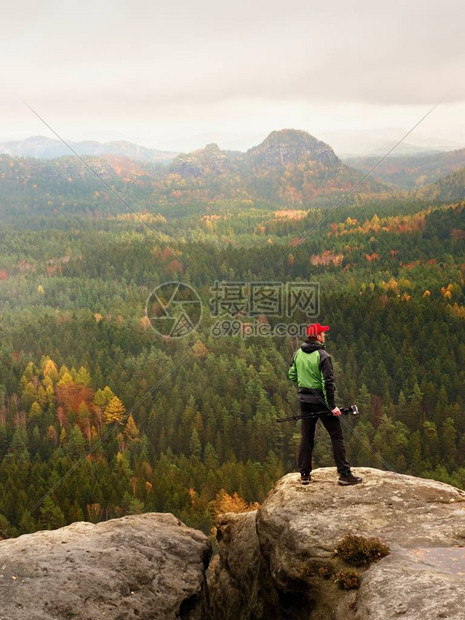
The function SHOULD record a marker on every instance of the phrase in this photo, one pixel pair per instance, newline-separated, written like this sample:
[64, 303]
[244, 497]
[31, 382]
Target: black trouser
[308, 426]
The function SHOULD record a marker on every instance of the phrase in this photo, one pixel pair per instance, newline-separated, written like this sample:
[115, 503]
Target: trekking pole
[350, 410]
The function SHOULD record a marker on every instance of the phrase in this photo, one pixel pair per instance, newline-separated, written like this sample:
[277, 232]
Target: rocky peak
[211, 160]
[277, 150]
[290, 146]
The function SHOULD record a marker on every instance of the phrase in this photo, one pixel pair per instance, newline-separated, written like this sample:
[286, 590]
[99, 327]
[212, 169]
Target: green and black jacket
[312, 370]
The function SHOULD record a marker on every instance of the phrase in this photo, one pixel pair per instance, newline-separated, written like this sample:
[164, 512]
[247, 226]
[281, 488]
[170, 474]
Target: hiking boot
[305, 478]
[348, 477]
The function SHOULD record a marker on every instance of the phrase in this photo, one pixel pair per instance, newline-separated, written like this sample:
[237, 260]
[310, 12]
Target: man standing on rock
[312, 370]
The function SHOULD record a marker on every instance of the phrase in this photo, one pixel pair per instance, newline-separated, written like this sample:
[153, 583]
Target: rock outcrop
[210, 160]
[291, 146]
[288, 146]
[277, 562]
[289, 555]
[146, 567]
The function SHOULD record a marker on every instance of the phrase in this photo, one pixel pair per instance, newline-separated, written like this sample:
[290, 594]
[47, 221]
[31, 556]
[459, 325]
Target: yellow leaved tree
[114, 411]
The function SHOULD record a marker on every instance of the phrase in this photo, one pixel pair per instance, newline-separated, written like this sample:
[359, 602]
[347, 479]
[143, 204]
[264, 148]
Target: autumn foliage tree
[114, 411]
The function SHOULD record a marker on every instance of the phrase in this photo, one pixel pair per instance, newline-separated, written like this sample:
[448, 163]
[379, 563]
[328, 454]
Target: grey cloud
[120, 60]
[198, 52]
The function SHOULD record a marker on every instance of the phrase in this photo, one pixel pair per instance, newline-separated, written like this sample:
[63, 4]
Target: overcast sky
[179, 74]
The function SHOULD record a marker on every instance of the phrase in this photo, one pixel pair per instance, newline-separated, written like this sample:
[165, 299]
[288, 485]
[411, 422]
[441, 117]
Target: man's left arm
[326, 367]
[292, 372]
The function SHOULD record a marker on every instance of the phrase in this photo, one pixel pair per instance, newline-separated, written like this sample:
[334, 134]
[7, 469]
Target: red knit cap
[315, 328]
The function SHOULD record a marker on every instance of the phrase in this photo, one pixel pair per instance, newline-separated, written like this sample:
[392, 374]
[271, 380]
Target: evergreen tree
[195, 447]
[76, 443]
[51, 516]
[114, 411]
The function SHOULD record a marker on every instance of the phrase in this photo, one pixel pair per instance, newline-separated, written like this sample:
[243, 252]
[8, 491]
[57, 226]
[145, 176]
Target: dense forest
[101, 417]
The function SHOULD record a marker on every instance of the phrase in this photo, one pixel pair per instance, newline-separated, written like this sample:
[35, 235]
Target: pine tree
[63, 436]
[76, 442]
[83, 415]
[211, 458]
[4, 527]
[364, 401]
[195, 447]
[3, 440]
[35, 411]
[27, 523]
[19, 445]
[448, 443]
[63, 370]
[28, 395]
[114, 411]
[131, 430]
[83, 377]
[65, 379]
[52, 435]
[42, 397]
[108, 394]
[402, 407]
[51, 515]
[75, 513]
[50, 370]
[415, 460]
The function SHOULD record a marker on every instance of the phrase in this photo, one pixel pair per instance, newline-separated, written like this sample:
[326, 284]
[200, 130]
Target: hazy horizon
[371, 144]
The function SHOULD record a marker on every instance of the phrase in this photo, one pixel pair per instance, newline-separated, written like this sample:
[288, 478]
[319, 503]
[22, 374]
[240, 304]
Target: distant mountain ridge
[41, 147]
[411, 171]
[288, 168]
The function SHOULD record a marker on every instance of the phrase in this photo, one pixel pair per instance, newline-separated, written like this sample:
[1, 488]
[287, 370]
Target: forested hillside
[411, 171]
[86, 383]
[448, 189]
[290, 168]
